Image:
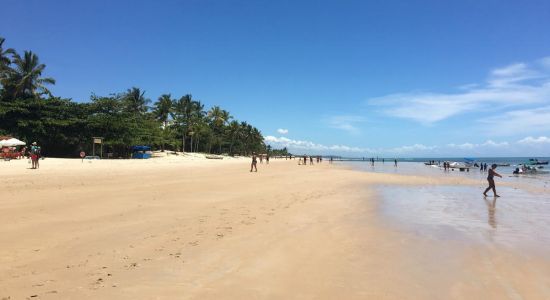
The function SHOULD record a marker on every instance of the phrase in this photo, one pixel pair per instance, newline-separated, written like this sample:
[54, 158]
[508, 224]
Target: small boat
[534, 161]
[214, 157]
[503, 165]
[461, 166]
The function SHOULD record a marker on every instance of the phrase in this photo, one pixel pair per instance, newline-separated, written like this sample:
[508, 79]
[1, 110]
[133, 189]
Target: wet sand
[170, 229]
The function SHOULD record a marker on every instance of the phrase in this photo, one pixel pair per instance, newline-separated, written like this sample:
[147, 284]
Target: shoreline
[211, 229]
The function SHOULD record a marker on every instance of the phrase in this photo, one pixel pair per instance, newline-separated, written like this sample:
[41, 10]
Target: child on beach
[490, 179]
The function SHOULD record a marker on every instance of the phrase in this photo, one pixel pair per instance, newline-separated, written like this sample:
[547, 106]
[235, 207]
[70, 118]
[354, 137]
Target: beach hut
[142, 152]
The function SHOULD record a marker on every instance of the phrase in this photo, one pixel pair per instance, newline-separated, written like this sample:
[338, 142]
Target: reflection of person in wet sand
[254, 162]
[491, 208]
[491, 180]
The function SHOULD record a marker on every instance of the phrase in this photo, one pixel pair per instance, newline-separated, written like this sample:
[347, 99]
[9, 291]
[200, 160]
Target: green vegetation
[30, 112]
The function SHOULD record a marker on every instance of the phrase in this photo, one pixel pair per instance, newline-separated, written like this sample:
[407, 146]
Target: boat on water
[461, 166]
[534, 161]
[503, 165]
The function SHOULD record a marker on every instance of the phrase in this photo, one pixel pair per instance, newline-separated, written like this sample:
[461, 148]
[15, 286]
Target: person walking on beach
[395, 162]
[491, 180]
[485, 167]
[267, 159]
[35, 155]
[254, 162]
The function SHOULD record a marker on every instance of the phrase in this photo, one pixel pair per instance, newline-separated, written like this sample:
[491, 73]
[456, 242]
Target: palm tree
[196, 115]
[219, 118]
[26, 79]
[201, 130]
[162, 110]
[233, 129]
[183, 110]
[5, 61]
[135, 101]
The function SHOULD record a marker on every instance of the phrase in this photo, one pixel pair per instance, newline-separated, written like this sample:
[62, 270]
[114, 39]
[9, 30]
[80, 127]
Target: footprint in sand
[131, 266]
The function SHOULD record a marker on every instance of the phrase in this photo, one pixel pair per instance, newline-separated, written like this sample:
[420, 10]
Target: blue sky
[358, 78]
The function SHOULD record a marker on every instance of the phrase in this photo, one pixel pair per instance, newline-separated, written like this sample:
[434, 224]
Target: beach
[173, 228]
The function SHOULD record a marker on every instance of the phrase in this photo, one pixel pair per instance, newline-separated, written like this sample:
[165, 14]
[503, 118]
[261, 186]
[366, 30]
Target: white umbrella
[12, 142]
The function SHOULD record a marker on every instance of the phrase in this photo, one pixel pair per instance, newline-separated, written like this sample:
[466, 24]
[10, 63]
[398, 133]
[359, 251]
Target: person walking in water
[491, 180]
[254, 162]
[395, 162]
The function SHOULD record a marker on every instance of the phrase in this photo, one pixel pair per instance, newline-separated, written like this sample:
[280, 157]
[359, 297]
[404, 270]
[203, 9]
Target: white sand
[180, 228]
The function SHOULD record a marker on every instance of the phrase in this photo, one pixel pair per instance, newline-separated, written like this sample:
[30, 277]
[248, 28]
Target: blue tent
[141, 152]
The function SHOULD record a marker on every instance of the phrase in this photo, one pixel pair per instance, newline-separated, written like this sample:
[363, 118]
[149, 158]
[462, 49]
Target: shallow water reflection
[415, 168]
[518, 218]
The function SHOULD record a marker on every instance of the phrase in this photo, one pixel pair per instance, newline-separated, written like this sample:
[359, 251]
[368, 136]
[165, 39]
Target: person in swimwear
[491, 180]
[254, 162]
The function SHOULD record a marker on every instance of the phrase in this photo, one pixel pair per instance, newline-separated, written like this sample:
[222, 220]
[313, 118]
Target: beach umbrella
[11, 143]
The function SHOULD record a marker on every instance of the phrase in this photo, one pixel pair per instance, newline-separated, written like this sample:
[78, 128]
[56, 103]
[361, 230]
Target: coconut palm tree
[218, 117]
[182, 114]
[25, 79]
[196, 115]
[135, 101]
[5, 60]
[162, 110]
[233, 130]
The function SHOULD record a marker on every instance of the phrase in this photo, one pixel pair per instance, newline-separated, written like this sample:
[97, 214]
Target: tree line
[63, 127]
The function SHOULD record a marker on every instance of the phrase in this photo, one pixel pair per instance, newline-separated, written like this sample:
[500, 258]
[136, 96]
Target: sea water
[419, 168]
[520, 218]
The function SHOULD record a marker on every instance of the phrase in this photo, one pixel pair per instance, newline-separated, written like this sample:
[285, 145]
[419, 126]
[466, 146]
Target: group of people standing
[483, 167]
[254, 164]
[303, 159]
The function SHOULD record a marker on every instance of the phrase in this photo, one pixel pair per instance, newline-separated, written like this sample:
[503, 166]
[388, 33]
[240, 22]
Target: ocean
[519, 219]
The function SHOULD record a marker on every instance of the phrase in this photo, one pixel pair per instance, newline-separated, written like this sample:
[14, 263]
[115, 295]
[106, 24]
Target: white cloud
[545, 62]
[282, 131]
[515, 85]
[534, 141]
[525, 121]
[411, 149]
[346, 123]
[298, 145]
[524, 147]
[490, 143]
[511, 74]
